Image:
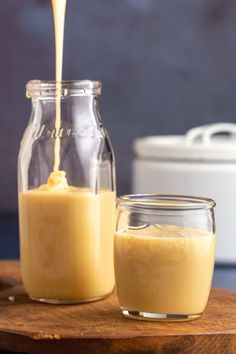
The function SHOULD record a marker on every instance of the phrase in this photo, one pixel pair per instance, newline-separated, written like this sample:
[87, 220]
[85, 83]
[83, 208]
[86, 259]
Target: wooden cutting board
[99, 327]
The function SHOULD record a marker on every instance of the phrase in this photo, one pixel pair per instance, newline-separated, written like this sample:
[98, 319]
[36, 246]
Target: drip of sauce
[59, 12]
[56, 182]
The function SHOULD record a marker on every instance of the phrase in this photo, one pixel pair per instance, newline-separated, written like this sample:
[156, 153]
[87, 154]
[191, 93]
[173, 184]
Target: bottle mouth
[39, 88]
[165, 202]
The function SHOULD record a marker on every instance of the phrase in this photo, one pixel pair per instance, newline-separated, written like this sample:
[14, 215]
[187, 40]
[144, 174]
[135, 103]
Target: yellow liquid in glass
[165, 269]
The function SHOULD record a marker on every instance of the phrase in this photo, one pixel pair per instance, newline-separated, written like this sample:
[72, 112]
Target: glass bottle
[67, 199]
[164, 256]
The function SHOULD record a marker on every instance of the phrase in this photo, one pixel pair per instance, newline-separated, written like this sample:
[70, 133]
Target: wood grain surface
[99, 327]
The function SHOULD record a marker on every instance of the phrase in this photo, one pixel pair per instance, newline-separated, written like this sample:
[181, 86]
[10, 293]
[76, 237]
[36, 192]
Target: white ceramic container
[201, 163]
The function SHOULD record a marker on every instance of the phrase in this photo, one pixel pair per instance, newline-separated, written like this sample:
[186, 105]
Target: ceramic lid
[215, 142]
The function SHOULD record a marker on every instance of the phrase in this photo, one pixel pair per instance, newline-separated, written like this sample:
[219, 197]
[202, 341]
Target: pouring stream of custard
[59, 12]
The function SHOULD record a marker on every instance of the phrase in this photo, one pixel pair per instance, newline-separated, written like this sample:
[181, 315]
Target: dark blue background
[166, 66]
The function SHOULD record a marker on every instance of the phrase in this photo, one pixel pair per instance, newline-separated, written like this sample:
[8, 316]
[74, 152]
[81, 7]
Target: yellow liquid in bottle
[67, 243]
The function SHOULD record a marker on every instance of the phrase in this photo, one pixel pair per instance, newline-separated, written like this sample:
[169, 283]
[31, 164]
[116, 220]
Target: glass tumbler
[67, 198]
[164, 256]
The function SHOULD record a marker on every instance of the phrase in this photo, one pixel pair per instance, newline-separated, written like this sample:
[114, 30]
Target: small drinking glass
[164, 256]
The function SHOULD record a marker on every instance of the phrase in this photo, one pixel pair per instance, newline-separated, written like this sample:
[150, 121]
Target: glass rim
[37, 88]
[166, 202]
